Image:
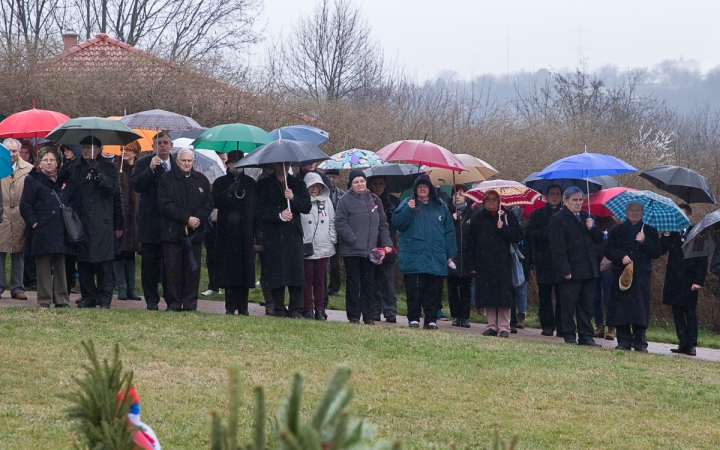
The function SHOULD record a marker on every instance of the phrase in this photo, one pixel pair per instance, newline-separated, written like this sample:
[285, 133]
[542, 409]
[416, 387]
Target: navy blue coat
[39, 205]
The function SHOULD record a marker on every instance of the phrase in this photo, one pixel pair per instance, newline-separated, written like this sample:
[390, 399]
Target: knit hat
[490, 191]
[626, 277]
[459, 187]
[354, 174]
[332, 172]
[424, 179]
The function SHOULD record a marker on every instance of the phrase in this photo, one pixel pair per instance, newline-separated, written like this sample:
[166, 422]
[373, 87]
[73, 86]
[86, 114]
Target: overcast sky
[471, 36]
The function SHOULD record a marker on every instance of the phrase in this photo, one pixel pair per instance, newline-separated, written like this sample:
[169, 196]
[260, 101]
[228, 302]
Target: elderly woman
[124, 264]
[492, 231]
[42, 196]
[629, 310]
[361, 226]
[318, 231]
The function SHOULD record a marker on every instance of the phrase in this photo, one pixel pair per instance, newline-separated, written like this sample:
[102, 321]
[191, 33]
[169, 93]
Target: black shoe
[122, 295]
[490, 332]
[513, 330]
[77, 302]
[571, 342]
[261, 303]
[243, 312]
[691, 351]
[504, 334]
[622, 347]
[310, 314]
[369, 322]
[104, 306]
[391, 319]
[319, 315]
[641, 350]
[152, 307]
[376, 318]
[63, 305]
[354, 320]
[456, 322]
[84, 304]
[133, 296]
[465, 323]
[547, 332]
[324, 314]
[679, 349]
[589, 343]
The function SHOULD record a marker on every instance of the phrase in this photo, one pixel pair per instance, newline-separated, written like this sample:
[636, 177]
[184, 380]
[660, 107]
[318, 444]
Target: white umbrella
[478, 170]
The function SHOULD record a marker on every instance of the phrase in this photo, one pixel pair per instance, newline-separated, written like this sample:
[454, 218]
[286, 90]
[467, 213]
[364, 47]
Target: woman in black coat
[234, 254]
[42, 195]
[629, 311]
[282, 239]
[683, 279]
[492, 231]
[459, 278]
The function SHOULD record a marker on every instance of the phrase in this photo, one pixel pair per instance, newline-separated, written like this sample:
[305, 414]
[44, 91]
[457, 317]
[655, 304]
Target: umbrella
[284, 151]
[304, 133]
[352, 159]
[682, 182]
[5, 164]
[187, 242]
[542, 184]
[233, 136]
[585, 165]
[31, 123]
[421, 152]
[477, 170]
[107, 130]
[660, 212]
[398, 176]
[597, 199]
[190, 134]
[207, 163]
[511, 193]
[146, 142]
[702, 238]
[158, 119]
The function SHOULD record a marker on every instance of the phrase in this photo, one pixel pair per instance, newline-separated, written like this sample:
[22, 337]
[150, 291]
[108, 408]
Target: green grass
[421, 387]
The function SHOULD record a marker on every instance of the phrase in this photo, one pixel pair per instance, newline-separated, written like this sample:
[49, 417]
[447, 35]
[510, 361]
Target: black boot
[309, 314]
[319, 315]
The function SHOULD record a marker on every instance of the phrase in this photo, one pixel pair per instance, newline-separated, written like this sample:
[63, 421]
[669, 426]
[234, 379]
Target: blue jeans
[521, 295]
[601, 291]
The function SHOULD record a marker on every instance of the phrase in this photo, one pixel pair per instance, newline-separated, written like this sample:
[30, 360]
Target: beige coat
[12, 227]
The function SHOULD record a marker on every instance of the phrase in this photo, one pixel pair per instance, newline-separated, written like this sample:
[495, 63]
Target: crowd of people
[300, 226]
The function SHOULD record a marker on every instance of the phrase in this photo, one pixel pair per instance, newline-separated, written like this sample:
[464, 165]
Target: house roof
[101, 49]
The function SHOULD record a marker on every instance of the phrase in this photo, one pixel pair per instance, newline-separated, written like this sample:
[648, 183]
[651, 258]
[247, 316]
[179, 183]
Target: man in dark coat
[145, 178]
[385, 300]
[573, 236]
[185, 205]
[538, 233]
[629, 310]
[233, 197]
[98, 203]
[683, 279]
[282, 239]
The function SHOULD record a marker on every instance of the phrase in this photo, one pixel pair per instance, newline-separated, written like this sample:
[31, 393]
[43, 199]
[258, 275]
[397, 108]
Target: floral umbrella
[352, 159]
[511, 193]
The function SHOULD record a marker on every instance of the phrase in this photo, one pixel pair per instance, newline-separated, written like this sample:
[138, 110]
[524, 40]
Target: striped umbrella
[660, 212]
[352, 159]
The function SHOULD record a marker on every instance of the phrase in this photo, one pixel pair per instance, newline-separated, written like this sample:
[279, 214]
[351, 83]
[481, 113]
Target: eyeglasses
[48, 160]
[164, 142]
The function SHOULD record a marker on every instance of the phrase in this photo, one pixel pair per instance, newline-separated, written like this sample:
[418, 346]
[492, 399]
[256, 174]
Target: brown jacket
[12, 228]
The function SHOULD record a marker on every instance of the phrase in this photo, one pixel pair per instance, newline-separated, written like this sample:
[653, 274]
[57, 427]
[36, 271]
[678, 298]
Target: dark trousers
[210, 238]
[601, 294]
[70, 270]
[576, 300]
[181, 285]
[424, 291]
[334, 279]
[295, 307]
[631, 336]
[686, 324]
[385, 299]
[459, 297]
[151, 267]
[360, 288]
[100, 293]
[236, 299]
[548, 319]
[314, 289]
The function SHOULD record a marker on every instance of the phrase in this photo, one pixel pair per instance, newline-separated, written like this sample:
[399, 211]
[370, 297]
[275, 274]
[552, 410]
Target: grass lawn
[421, 387]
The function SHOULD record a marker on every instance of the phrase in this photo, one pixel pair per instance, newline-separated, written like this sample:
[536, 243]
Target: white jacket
[320, 222]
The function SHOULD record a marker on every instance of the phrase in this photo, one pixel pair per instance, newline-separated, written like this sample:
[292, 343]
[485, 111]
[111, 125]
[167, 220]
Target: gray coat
[361, 224]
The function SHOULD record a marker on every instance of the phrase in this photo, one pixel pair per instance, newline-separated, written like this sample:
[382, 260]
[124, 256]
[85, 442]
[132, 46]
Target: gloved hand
[234, 187]
[93, 165]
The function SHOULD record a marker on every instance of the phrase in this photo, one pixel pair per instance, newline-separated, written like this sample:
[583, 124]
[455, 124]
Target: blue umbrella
[304, 133]
[5, 164]
[586, 165]
[660, 212]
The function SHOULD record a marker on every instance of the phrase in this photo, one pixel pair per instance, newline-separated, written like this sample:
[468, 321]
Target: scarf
[634, 230]
[460, 209]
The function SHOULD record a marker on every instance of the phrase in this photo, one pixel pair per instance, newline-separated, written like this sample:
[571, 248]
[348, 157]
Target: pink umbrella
[31, 123]
[421, 152]
[597, 199]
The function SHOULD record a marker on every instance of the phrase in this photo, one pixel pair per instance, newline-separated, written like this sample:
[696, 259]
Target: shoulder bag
[518, 275]
[74, 231]
[308, 249]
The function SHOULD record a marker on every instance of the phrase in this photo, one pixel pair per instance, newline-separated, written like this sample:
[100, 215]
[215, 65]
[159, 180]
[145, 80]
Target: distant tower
[580, 52]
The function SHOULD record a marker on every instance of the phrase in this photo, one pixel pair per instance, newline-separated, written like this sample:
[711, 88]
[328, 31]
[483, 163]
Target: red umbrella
[597, 199]
[421, 152]
[31, 123]
[537, 204]
[511, 193]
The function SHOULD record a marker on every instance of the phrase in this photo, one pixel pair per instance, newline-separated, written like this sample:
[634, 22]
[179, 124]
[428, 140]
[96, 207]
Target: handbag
[308, 249]
[606, 265]
[518, 274]
[74, 231]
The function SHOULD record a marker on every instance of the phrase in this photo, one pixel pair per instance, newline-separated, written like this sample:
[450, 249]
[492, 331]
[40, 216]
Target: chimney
[70, 39]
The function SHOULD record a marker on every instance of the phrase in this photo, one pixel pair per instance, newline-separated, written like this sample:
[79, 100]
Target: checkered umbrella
[660, 212]
[352, 159]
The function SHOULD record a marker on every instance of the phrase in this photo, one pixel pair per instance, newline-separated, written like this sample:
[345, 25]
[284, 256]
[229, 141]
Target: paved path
[218, 307]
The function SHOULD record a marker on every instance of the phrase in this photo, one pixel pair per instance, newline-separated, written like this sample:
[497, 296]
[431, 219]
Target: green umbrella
[109, 131]
[233, 136]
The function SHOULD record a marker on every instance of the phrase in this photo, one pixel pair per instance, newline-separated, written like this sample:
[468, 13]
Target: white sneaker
[207, 293]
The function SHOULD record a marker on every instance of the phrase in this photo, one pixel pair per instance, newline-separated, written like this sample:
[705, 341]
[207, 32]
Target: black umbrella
[541, 184]
[682, 182]
[399, 177]
[701, 239]
[187, 241]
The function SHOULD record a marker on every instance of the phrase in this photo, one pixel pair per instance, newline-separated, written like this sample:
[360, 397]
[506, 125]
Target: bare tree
[27, 29]
[330, 54]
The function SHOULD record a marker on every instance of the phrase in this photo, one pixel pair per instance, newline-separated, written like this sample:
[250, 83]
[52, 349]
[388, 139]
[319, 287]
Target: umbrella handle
[286, 185]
